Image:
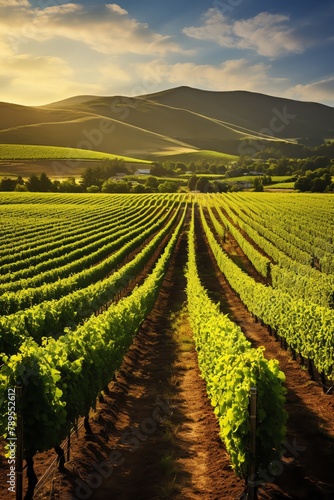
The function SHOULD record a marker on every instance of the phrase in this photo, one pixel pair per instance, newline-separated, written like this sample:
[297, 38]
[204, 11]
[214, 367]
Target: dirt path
[307, 470]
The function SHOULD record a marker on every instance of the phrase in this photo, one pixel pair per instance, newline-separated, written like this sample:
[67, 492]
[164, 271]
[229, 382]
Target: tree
[318, 185]
[322, 161]
[111, 186]
[33, 183]
[110, 167]
[168, 187]
[192, 182]
[303, 184]
[309, 165]
[219, 187]
[7, 184]
[69, 186]
[93, 189]
[139, 188]
[20, 188]
[45, 183]
[159, 170]
[202, 185]
[258, 185]
[151, 182]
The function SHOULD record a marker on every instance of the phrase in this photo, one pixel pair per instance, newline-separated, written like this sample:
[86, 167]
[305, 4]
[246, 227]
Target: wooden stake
[19, 436]
[251, 493]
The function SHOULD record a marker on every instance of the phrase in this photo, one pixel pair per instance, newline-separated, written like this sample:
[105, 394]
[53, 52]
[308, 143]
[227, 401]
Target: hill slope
[179, 120]
[254, 111]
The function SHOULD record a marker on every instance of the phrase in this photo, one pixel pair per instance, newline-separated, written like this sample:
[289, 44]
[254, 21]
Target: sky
[53, 49]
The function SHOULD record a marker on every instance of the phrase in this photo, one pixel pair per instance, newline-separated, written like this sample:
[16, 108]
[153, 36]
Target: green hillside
[29, 152]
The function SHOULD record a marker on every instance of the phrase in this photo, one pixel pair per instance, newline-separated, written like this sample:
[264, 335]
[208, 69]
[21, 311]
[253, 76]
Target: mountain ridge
[177, 118]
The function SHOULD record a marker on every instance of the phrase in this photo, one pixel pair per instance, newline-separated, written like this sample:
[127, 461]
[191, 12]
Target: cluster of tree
[302, 148]
[43, 183]
[203, 185]
[152, 185]
[316, 181]
[97, 175]
[40, 184]
[280, 166]
[172, 169]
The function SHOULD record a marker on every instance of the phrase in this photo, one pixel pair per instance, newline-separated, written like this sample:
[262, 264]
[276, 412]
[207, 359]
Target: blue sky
[52, 49]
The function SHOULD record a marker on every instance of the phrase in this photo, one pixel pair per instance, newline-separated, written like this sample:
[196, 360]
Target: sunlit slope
[14, 115]
[29, 152]
[159, 118]
[95, 133]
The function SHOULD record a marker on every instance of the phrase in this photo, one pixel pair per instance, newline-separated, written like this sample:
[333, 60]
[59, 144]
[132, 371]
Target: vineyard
[143, 323]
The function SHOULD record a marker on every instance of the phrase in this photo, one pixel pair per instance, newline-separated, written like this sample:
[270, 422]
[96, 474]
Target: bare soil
[154, 434]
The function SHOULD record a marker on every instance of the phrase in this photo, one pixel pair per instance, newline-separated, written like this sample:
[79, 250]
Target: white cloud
[320, 91]
[107, 29]
[216, 29]
[239, 74]
[117, 8]
[14, 3]
[269, 34]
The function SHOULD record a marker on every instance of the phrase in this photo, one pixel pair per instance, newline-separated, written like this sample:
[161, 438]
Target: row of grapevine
[317, 237]
[72, 260]
[307, 328]
[83, 229]
[89, 262]
[288, 248]
[259, 261]
[290, 233]
[230, 367]
[18, 229]
[49, 318]
[47, 222]
[11, 302]
[297, 279]
[62, 379]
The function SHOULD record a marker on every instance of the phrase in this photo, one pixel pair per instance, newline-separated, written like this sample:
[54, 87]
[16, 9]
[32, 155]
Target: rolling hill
[172, 122]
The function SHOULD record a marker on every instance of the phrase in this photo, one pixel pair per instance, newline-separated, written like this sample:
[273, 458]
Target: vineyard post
[251, 493]
[19, 436]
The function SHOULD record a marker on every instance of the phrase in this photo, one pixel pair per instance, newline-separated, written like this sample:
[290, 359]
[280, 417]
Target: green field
[282, 185]
[200, 155]
[28, 152]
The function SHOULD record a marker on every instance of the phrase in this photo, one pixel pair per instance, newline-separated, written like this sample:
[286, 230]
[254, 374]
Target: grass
[201, 154]
[31, 152]
[282, 185]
